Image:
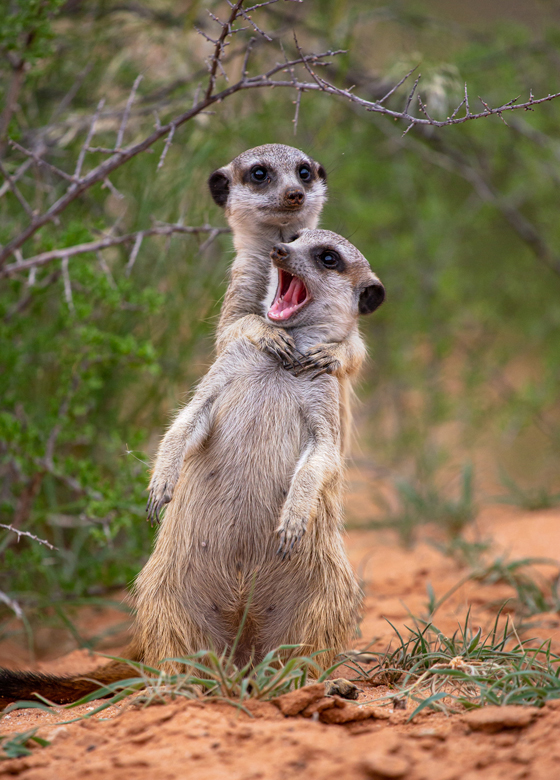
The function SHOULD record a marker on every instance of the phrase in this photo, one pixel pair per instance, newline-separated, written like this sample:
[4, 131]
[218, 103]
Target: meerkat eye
[329, 258]
[259, 174]
[304, 173]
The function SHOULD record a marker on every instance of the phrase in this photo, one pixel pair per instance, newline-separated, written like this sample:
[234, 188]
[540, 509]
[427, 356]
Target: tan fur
[254, 462]
[261, 215]
[256, 457]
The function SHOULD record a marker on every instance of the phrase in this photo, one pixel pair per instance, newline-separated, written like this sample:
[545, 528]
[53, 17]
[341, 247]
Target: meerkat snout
[294, 198]
[279, 252]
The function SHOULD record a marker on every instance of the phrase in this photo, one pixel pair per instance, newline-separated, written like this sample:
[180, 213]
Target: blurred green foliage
[465, 353]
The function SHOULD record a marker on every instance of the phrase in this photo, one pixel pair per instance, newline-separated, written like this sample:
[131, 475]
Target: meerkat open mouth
[290, 297]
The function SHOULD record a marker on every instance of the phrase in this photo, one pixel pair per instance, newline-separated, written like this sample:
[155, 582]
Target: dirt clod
[492, 719]
[347, 714]
[296, 701]
[326, 703]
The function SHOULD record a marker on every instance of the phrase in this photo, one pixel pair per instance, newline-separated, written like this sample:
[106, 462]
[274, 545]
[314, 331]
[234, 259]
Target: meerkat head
[321, 279]
[274, 188]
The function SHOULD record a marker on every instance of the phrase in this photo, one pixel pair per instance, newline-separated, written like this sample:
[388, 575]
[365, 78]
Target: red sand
[212, 740]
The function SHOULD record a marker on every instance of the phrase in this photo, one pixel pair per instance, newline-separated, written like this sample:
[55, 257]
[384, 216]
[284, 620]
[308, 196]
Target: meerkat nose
[279, 252]
[294, 196]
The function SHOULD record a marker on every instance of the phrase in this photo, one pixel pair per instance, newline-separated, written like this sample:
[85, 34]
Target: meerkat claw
[321, 361]
[319, 373]
[156, 502]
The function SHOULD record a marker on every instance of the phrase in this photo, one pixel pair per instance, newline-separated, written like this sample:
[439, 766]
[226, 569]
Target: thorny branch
[30, 536]
[119, 156]
[116, 160]
[96, 246]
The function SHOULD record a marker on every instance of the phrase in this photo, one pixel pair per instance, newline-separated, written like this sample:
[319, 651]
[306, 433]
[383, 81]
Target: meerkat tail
[18, 685]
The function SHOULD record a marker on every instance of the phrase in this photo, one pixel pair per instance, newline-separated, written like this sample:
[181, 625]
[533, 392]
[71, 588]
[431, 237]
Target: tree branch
[30, 536]
[96, 246]
[265, 80]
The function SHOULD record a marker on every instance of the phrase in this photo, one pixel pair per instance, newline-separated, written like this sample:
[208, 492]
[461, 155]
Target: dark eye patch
[258, 174]
[329, 258]
[305, 172]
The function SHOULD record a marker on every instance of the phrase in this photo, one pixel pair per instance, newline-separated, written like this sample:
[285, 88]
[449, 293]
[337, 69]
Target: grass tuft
[531, 499]
[466, 669]
[16, 745]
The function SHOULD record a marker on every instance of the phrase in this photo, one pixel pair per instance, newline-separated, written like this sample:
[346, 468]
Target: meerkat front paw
[321, 359]
[291, 532]
[160, 494]
[280, 345]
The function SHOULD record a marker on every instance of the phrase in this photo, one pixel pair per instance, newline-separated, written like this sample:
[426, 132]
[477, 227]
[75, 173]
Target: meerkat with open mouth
[254, 527]
[255, 461]
[269, 194]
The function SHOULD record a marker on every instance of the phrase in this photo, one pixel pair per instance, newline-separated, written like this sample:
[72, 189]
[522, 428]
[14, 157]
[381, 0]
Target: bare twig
[86, 145]
[166, 147]
[248, 50]
[29, 536]
[14, 188]
[245, 15]
[394, 89]
[96, 246]
[134, 253]
[220, 46]
[67, 284]
[17, 175]
[126, 114]
[39, 161]
[466, 100]
[423, 108]
[110, 186]
[296, 115]
[410, 96]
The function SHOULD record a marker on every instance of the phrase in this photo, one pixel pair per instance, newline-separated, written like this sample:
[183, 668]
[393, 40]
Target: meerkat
[269, 194]
[255, 521]
[255, 467]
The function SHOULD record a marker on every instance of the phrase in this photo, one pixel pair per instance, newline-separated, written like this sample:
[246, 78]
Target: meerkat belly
[238, 482]
[228, 507]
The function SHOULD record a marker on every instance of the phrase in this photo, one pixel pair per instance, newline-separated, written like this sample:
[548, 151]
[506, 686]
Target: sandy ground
[212, 740]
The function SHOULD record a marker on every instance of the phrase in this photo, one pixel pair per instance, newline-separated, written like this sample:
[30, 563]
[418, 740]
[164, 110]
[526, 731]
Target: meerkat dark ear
[219, 186]
[371, 297]
[321, 172]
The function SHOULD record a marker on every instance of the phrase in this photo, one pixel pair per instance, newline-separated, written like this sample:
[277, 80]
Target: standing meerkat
[257, 460]
[269, 194]
[255, 467]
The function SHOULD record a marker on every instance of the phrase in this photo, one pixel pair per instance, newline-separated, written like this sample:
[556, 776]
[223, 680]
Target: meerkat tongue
[290, 296]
